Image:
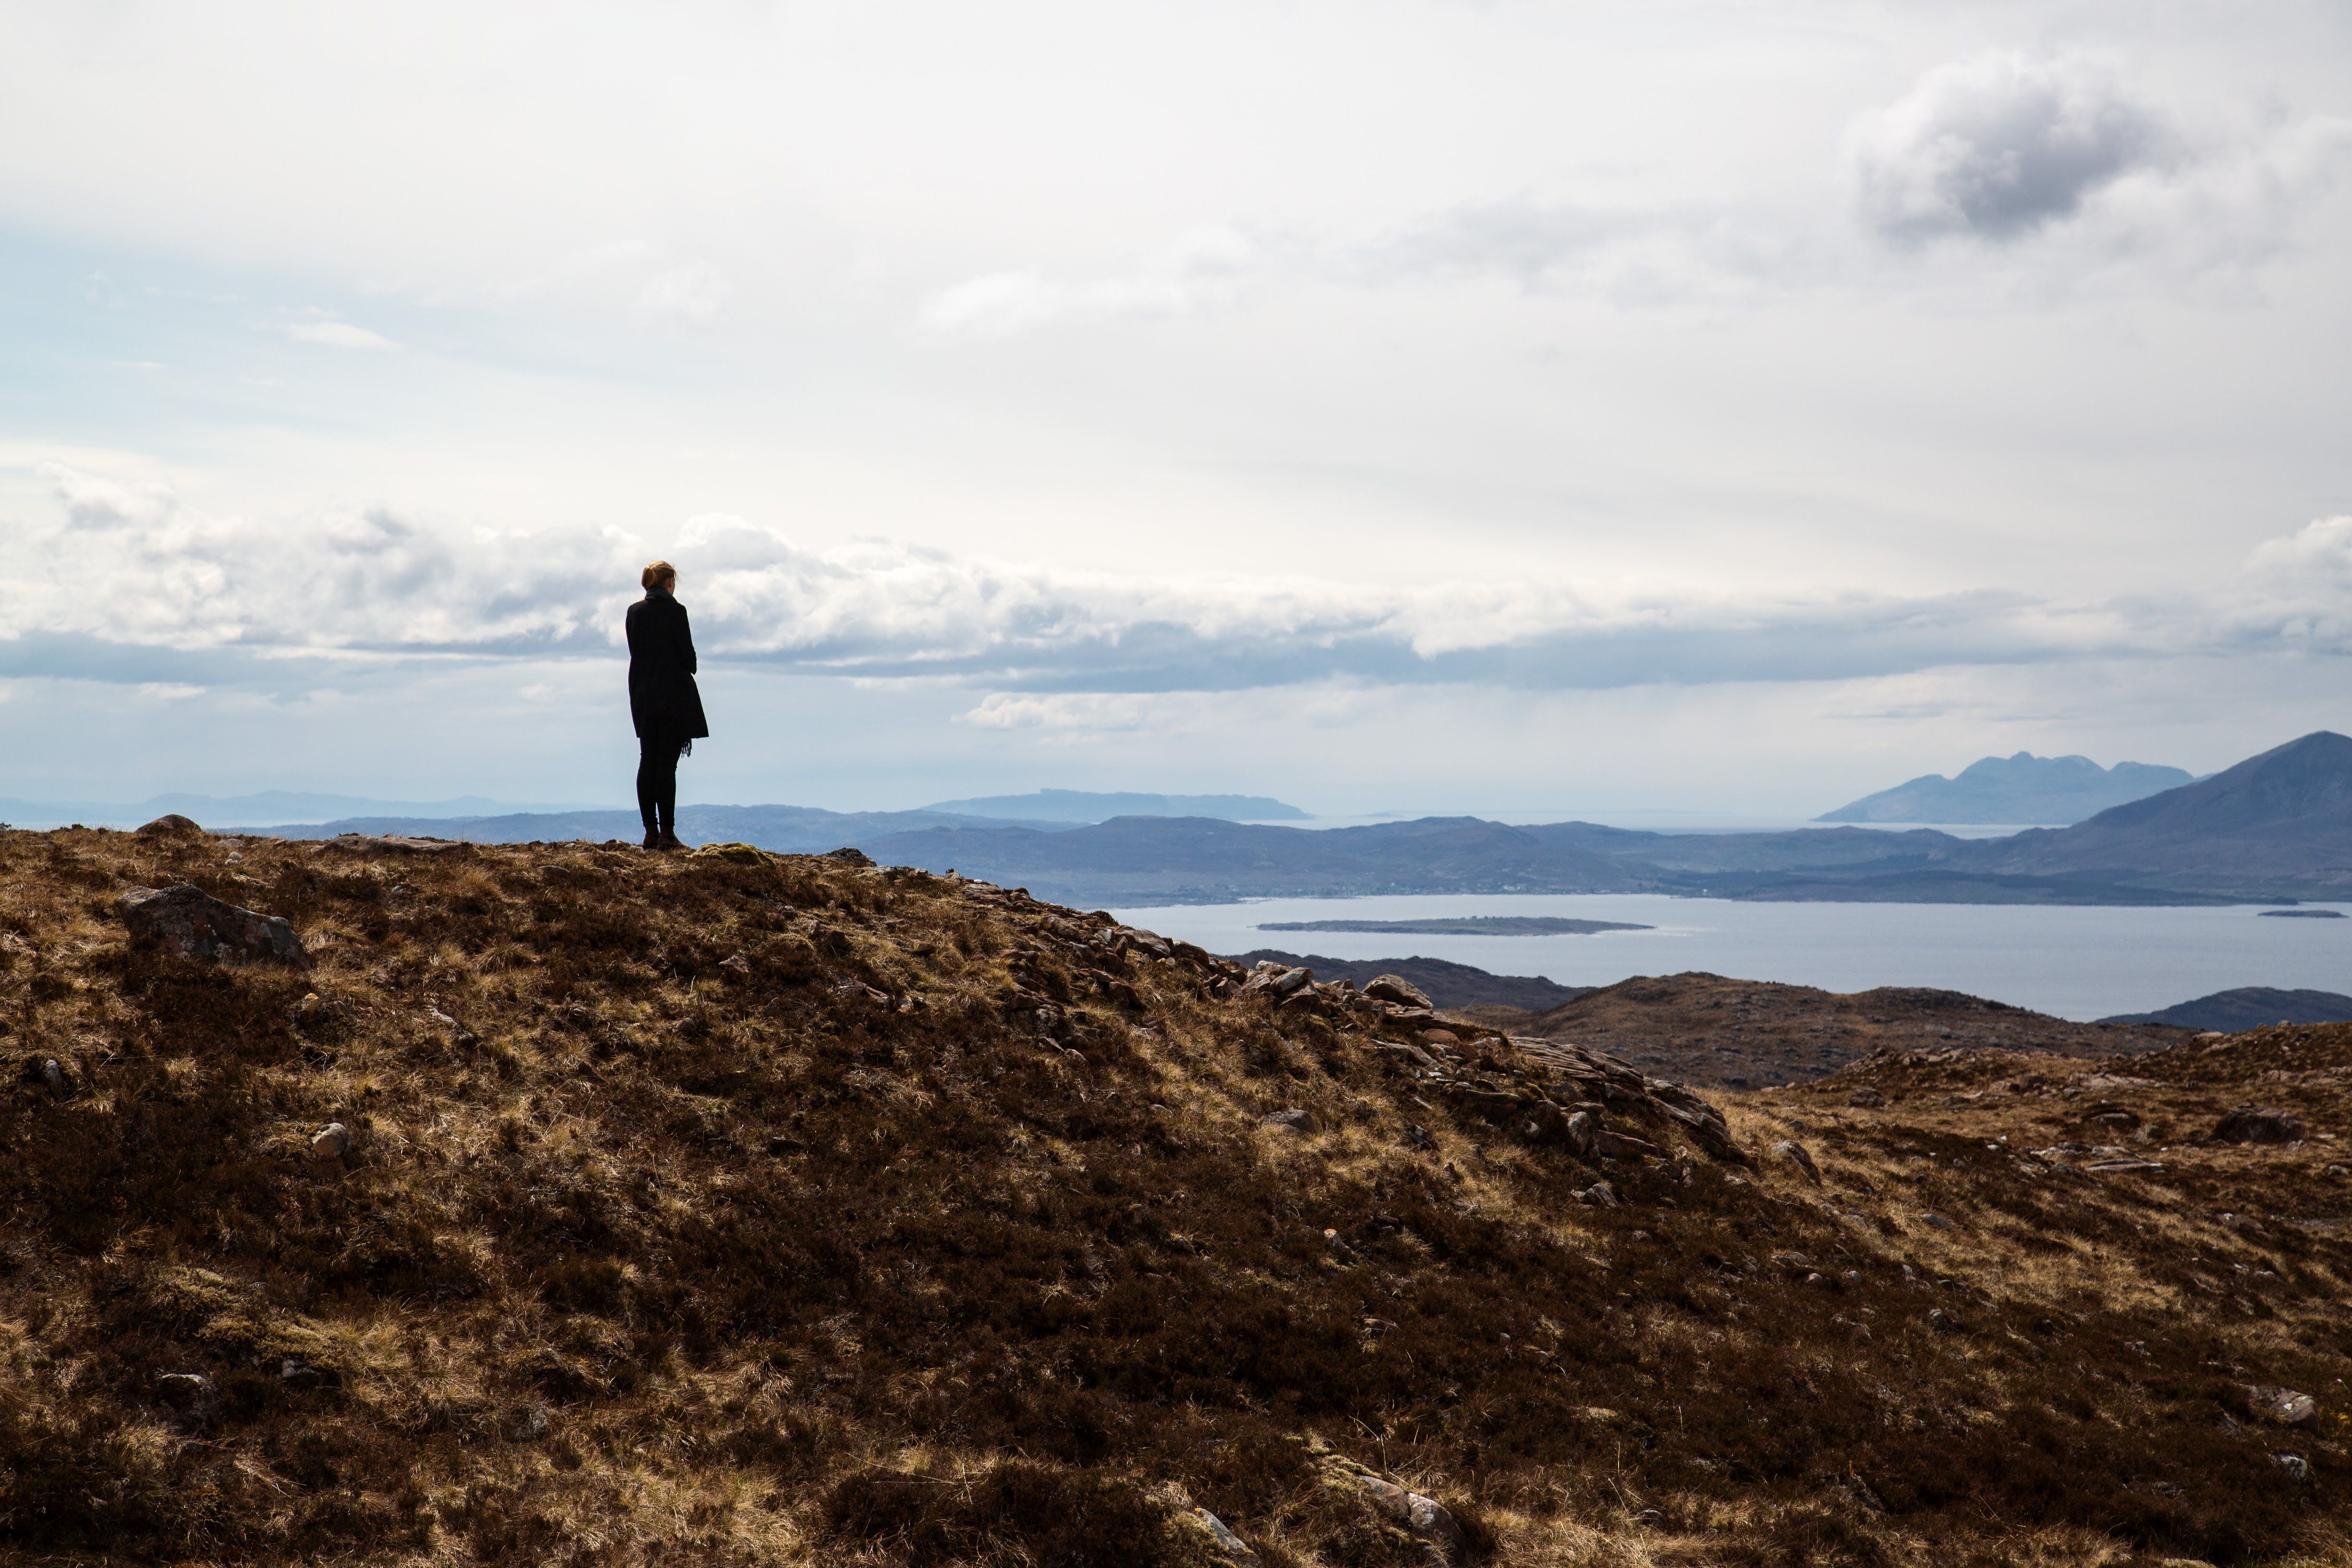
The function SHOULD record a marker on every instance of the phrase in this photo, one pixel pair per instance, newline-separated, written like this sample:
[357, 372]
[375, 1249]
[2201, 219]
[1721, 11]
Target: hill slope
[2023, 789]
[743, 1210]
[1443, 980]
[2249, 1008]
[1708, 1031]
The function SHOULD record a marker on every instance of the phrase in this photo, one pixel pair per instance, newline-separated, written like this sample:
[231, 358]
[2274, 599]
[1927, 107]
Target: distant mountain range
[250, 810]
[2276, 827]
[788, 829]
[2023, 789]
[2279, 823]
[1150, 859]
[1079, 805]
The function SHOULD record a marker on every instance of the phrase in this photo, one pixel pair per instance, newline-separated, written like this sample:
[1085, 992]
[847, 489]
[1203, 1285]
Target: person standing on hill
[663, 702]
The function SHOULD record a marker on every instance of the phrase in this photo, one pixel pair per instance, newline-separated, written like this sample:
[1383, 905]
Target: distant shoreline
[1466, 925]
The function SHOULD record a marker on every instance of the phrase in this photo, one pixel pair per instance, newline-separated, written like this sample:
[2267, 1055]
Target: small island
[1467, 925]
[2303, 914]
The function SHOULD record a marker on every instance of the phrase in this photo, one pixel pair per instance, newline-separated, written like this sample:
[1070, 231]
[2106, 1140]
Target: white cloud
[2301, 586]
[1202, 269]
[2240, 201]
[97, 504]
[2317, 559]
[2001, 144]
[1069, 711]
[130, 563]
[691, 295]
[336, 334]
[2002, 147]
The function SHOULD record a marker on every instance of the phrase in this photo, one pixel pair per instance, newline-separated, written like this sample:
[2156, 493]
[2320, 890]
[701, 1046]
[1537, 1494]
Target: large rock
[171, 825]
[192, 924]
[1223, 1542]
[1275, 980]
[191, 1391]
[1704, 1122]
[2258, 1124]
[1581, 1133]
[2283, 1405]
[1209, 1538]
[1424, 1520]
[391, 843]
[741, 854]
[1396, 988]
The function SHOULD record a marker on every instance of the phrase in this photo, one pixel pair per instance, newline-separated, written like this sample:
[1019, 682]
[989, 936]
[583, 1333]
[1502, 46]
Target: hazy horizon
[1662, 408]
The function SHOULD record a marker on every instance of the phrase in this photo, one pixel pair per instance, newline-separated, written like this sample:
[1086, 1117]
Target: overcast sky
[1397, 404]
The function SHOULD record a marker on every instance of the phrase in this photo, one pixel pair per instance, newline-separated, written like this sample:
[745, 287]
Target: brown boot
[653, 839]
[669, 841]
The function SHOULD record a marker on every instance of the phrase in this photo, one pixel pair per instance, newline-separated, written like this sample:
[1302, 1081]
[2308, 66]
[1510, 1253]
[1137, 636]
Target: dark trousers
[657, 781]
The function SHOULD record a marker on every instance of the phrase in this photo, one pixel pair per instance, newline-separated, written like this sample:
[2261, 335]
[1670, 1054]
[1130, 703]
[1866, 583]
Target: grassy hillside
[1710, 1032]
[739, 1209]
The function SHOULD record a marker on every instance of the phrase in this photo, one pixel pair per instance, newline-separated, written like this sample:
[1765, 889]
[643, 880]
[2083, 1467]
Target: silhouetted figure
[663, 702]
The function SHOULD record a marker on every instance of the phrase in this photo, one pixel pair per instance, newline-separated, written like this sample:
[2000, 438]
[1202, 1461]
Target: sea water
[2071, 960]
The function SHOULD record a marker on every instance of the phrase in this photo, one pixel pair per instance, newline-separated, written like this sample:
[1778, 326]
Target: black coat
[663, 702]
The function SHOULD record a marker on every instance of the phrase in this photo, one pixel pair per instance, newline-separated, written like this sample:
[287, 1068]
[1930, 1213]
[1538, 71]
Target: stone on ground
[191, 923]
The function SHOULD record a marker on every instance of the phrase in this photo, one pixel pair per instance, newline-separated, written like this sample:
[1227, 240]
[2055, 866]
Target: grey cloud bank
[129, 572]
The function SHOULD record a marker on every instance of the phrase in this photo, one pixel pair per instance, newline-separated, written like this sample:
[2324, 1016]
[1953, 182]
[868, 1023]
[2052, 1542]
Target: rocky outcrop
[2258, 1124]
[1547, 1092]
[171, 825]
[2283, 1405]
[1424, 1520]
[392, 844]
[1790, 1151]
[192, 924]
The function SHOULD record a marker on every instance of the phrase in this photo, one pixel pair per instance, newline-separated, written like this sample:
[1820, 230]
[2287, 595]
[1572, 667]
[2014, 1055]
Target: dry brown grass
[739, 1212]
